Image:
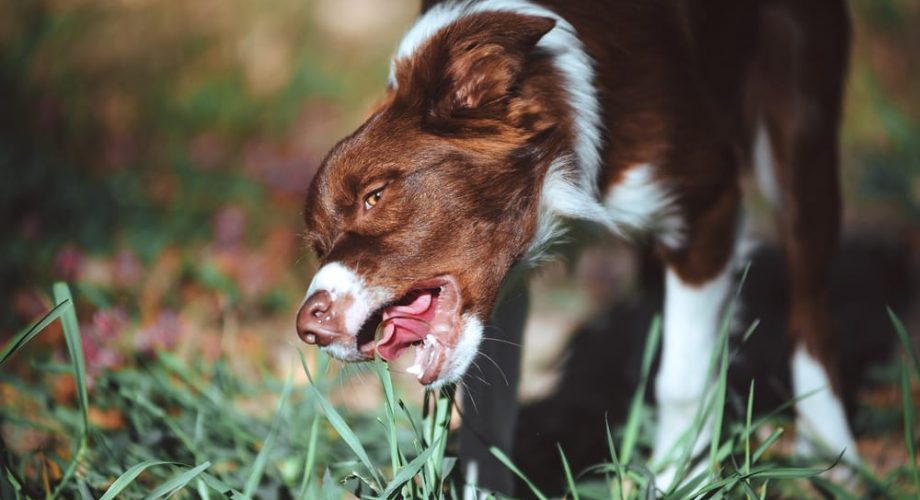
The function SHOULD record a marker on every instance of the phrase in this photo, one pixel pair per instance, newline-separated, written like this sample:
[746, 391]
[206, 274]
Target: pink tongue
[404, 326]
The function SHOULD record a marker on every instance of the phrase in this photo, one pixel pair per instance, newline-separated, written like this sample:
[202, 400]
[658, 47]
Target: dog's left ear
[472, 66]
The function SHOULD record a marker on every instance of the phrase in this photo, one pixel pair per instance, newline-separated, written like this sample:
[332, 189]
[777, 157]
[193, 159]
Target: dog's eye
[371, 200]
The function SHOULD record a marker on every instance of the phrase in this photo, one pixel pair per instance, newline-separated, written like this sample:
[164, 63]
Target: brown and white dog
[504, 119]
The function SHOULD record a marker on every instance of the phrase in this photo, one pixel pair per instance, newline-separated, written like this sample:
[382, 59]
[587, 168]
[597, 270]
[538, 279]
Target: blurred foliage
[882, 121]
[133, 127]
[137, 127]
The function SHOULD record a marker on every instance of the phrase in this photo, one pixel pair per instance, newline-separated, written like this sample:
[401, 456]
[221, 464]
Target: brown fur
[462, 144]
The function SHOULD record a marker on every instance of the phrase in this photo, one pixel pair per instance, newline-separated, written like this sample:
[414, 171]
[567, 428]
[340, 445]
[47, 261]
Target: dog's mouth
[427, 318]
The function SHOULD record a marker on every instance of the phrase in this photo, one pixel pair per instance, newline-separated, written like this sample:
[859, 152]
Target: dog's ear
[470, 67]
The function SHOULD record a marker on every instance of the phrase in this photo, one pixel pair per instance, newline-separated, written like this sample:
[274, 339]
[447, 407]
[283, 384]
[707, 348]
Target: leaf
[510, 465]
[905, 339]
[219, 486]
[631, 431]
[331, 490]
[129, 476]
[177, 482]
[25, 336]
[766, 444]
[311, 458]
[907, 401]
[338, 423]
[568, 473]
[384, 375]
[258, 467]
[406, 473]
[75, 350]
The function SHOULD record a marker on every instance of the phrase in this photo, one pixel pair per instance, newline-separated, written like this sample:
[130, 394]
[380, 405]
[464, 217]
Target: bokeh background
[154, 154]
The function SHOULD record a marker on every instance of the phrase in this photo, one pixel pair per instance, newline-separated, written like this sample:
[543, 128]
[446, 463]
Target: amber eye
[371, 200]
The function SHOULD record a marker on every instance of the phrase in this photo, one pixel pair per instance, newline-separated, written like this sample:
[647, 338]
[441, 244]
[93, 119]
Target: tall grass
[184, 432]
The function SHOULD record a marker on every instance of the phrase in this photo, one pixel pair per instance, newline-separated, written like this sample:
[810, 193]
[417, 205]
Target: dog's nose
[318, 321]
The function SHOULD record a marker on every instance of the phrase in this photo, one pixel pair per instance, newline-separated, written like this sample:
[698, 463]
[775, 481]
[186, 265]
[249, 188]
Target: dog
[505, 120]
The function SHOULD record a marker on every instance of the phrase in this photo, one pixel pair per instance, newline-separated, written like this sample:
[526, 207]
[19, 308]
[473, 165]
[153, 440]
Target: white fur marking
[765, 166]
[340, 281]
[463, 352]
[472, 481]
[641, 203]
[562, 198]
[821, 417]
[692, 315]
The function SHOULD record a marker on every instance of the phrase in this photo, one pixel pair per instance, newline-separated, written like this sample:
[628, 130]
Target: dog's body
[505, 118]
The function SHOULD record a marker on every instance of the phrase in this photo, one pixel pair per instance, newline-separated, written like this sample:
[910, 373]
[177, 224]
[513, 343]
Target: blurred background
[154, 154]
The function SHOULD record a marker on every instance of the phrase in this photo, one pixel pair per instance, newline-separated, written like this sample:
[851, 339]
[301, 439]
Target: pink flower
[99, 350]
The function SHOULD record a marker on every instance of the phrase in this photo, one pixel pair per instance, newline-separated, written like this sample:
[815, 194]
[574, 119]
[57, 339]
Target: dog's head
[419, 214]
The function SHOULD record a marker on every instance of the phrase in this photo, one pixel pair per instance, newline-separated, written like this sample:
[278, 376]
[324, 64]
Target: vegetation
[161, 427]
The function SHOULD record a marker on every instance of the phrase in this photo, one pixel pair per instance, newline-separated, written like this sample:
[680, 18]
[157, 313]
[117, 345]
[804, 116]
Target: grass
[183, 433]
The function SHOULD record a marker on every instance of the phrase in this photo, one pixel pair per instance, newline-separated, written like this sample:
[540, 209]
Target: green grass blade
[750, 331]
[129, 476]
[177, 482]
[311, 458]
[416, 430]
[389, 403]
[340, 426]
[614, 459]
[719, 405]
[905, 339]
[219, 486]
[75, 350]
[767, 443]
[748, 429]
[568, 473]
[631, 431]
[258, 467]
[788, 472]
[23, 337]
[688, 488]
[836, 492]
[437, 426]
[331, 490]
[517, 472]
[406, 473]
[907, 401]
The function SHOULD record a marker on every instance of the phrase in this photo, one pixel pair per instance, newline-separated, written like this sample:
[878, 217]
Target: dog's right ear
[471, 67]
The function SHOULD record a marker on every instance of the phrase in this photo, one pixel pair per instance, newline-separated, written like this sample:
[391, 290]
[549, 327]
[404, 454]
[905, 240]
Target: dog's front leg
[698, 280]
[489, 398]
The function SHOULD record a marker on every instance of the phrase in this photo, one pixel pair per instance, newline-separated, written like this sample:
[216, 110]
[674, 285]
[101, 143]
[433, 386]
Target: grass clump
[181, 431]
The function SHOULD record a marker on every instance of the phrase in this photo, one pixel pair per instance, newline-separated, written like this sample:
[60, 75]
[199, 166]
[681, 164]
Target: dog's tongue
[405, 325]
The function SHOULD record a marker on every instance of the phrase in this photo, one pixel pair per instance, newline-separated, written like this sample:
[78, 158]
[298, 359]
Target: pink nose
[320, 320]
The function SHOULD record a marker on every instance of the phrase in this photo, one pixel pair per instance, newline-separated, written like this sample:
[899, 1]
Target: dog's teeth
[430, 339]
[415, 369]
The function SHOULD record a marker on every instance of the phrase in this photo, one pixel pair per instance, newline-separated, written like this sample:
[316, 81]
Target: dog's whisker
[466, 389]
[502, 341]
[499, 368]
